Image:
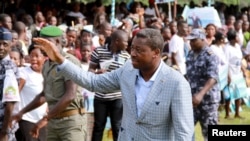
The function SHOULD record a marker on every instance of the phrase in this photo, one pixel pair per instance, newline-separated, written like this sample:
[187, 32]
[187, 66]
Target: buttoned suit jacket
[167, 113]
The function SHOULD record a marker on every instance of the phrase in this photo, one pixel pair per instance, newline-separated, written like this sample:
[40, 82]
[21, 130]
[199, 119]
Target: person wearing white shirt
[30, 85]
[176, 47]
[218, 49]
[234, 56]
[240, 35]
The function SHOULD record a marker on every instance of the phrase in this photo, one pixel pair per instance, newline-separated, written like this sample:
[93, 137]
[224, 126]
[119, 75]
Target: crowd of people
[154, 78]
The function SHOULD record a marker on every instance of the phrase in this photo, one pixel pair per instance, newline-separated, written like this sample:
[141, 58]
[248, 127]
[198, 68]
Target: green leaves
[108, 2]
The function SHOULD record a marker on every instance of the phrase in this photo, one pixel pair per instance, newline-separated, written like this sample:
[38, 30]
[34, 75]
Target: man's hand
[141, 11]
[50, 48]
[17, 117]
[40, 124]
[100, 71]
[196, 99]
[71, 51]
[3, 136]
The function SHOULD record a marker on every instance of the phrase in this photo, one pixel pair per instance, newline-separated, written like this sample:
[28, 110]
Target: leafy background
[241, 3]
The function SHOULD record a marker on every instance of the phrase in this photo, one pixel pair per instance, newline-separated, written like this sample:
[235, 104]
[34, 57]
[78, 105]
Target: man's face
[4, 48]
[14, 38]
[173, 27]
[196, 44]
[121, 43]
[71, 37]
[86, 53]
[166, 34]
[107, 31]
[86, 37]
[8, 23]
[141, 54]
[183, 29]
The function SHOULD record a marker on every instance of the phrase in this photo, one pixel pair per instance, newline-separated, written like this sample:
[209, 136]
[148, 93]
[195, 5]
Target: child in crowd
[14, 36]
[16, 55]
[85, 53]
[71, 47]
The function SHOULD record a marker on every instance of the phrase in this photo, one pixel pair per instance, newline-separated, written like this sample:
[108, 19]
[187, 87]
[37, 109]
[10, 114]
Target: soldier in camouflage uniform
[9, 94]
[202, 74]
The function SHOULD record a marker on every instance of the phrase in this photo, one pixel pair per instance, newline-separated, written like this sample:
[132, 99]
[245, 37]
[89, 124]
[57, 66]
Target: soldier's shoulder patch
[210, 52]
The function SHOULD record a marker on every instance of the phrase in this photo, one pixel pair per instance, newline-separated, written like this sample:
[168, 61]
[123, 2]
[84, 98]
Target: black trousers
[23, 133]
[103, 109]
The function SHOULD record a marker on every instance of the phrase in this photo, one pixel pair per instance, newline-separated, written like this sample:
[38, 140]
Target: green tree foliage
[181, 2]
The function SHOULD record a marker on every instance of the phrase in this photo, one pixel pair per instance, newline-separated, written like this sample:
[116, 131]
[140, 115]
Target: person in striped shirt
[109, 57]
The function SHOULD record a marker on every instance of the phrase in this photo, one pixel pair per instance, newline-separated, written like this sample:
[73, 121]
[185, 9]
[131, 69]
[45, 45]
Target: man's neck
[147, 74]
[179, 34]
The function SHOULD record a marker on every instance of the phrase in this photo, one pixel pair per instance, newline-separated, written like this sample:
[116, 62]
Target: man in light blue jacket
[157, 99]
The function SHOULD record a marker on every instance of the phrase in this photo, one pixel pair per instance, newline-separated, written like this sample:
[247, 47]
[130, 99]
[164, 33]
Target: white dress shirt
[142, 89]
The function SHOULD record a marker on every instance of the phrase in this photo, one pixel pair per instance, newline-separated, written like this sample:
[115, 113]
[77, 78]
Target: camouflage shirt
[200, 68]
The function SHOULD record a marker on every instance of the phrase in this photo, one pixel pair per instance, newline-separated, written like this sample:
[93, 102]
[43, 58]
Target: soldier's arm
[7, 117]
[208, 85]
[65, 100]
[35, 103]
[212, 73]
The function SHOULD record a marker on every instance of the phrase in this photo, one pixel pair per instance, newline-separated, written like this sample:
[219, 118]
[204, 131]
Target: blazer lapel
[132, 77]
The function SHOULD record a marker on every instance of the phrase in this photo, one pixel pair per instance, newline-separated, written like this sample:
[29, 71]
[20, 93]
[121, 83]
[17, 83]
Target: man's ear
[117, 41]
[58, 41]
[157, 51]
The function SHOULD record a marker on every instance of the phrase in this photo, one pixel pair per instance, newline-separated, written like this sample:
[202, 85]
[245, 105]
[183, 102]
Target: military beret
[51, 31]
[5, 34]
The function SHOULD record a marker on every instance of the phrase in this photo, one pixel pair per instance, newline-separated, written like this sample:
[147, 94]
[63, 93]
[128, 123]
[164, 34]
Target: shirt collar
[154, 75]
[7, 57]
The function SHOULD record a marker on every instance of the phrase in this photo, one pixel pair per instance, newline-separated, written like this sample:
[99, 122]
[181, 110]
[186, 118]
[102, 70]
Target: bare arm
[175, 9]
[141, 18]
[95, 68]
[36, 102]
[21, 84]
[61, 105]
[141, 22]
[157, 12]
[7, 116]
[209, 84]
[174, 62]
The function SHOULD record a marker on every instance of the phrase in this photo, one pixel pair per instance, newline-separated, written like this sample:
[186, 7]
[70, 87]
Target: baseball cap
[89, 29]
[5, 34]
[51, 31]
[196, 33]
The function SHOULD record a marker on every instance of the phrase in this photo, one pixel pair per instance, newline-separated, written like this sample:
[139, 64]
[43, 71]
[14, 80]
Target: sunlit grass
[198, 136]
[244, 113]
